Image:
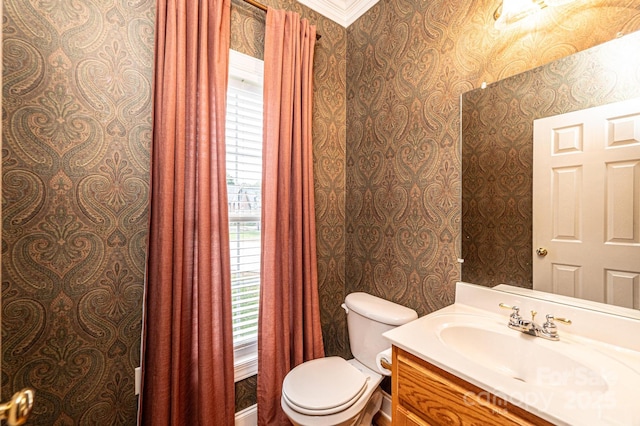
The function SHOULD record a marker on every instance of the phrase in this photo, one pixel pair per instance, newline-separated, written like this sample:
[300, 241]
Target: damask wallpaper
[497, 151]
[408, 63]
[77, 117]
[77, 120]
[76, 138]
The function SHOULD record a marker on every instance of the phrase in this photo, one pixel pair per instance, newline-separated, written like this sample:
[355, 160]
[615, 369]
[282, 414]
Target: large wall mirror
[497, 151]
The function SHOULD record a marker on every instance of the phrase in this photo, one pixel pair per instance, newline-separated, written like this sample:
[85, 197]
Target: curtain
[289, 322]
[188, 344]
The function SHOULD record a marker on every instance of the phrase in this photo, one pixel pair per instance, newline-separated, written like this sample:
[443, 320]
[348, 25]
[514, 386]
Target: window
[244, 186]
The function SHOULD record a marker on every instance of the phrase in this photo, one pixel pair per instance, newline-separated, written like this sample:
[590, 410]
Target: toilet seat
[325, 412]
[323, 386]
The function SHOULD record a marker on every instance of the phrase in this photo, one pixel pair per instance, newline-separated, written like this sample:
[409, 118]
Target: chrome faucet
[548, 330]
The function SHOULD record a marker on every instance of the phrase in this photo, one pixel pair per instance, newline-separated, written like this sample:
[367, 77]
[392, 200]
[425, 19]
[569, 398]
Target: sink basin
[520, 356]
[590, 376]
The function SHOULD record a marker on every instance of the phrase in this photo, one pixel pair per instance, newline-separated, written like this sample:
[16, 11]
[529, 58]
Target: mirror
[497, 151]
[584, 304]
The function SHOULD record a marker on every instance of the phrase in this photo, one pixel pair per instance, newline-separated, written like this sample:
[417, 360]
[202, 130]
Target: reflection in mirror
[497, 151]
[585, 304]
[586, 203]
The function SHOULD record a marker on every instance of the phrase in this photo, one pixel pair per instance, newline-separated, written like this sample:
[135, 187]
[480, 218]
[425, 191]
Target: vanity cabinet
[424, 394]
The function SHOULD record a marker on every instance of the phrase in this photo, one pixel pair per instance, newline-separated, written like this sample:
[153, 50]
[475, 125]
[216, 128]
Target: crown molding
[343, 12]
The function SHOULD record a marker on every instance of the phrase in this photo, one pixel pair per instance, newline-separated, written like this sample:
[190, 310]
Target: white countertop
[595, 379]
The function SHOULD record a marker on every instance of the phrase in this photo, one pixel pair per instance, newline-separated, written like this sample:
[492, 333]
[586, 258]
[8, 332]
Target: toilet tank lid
[378, 309]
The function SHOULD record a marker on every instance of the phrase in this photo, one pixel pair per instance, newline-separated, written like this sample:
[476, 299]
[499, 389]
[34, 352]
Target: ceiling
[344, 12]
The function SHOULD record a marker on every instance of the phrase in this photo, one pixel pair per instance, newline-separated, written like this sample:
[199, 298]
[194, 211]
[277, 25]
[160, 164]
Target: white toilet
[332, 391]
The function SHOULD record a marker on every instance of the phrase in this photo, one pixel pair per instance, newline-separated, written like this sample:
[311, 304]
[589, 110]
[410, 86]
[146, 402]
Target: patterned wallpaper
[76, 137]
[408, 63]
[497, 151]
[76, 115]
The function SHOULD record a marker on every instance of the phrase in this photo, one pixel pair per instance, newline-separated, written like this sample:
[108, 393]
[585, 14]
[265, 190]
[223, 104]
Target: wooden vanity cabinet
[424, 394]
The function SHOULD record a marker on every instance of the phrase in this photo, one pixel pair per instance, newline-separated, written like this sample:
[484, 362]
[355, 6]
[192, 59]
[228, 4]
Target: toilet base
[356, 415]
[365, 418]
[373, 406]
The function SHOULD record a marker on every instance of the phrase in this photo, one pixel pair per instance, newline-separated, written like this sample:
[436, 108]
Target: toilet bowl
[337, 398]
[332, 391]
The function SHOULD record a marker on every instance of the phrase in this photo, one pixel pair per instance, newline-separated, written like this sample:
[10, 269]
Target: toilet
[332, 391]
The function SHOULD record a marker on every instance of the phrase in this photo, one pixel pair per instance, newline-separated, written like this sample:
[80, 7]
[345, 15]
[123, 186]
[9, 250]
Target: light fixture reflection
[511, 11]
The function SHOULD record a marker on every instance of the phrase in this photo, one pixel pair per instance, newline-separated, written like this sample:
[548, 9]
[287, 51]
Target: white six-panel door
[586, 204]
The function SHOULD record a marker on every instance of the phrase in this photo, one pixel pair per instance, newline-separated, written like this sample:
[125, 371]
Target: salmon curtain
[289, 323]
[188, 344]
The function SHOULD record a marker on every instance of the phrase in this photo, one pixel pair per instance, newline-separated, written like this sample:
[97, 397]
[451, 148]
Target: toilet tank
[368, 317]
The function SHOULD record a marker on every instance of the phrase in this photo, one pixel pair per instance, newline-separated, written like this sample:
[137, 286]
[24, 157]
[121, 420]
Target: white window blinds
[244, 184]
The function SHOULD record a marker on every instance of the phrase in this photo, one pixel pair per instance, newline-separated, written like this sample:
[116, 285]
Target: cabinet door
[427, 395]
[403, 417]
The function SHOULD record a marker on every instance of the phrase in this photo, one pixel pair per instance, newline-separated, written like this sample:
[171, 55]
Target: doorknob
[16, 411]
[542, 252]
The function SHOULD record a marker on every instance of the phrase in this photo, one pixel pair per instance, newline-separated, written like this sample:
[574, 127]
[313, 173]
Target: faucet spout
[525, 326]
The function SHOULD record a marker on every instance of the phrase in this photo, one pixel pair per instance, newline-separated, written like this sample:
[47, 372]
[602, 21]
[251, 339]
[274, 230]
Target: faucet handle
[514, 318]
[550, 327]
[505, 306]
[551, 318]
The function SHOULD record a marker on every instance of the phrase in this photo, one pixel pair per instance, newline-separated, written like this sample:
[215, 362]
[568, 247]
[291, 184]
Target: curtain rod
[262, 7]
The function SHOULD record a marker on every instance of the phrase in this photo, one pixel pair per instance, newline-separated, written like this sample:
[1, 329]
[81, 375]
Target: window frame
[249, 69]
